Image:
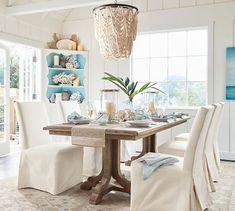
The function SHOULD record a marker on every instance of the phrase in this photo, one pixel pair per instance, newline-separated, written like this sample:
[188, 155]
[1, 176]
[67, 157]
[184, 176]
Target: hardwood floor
[9, 164]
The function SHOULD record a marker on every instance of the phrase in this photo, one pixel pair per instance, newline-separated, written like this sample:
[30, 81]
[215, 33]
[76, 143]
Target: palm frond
[129, 87]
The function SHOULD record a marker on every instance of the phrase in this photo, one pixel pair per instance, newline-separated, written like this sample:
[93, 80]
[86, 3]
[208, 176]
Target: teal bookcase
[52, 87]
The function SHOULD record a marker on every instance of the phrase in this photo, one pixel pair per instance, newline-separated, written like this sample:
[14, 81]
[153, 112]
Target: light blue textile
[153, 162]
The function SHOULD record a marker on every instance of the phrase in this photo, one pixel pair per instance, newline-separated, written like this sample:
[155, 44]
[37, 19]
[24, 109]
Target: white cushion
[166, 189]
[182, 137]
[176, 148]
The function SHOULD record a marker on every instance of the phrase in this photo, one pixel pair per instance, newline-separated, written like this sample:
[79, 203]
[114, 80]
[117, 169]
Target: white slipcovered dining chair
[179, 187]
[216, 139]
[56, 117]
[185, 137]
[92, 158]
[45, 166]
[211, 158]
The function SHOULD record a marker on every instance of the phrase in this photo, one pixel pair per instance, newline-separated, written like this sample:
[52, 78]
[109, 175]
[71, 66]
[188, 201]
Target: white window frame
[210, 57]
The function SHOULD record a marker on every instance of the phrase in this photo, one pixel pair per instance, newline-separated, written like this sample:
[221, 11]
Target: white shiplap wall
[31, 29]
[172, 14]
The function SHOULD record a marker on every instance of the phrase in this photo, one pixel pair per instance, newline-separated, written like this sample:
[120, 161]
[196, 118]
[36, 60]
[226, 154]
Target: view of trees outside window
[177, 60]
[14, 71]
[23, 82]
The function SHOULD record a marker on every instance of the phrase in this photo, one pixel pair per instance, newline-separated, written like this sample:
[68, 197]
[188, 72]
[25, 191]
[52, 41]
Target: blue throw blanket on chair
[153, 162]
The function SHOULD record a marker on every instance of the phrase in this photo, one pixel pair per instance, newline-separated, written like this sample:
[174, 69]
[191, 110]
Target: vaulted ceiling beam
[53, 5]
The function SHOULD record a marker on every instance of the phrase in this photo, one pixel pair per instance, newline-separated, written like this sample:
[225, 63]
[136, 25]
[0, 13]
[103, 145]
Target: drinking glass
[90, 109]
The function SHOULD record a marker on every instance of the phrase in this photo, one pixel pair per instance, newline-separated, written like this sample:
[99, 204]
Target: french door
[4, 100]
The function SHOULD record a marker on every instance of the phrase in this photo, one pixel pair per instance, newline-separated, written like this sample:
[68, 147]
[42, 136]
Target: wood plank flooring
[9, 165]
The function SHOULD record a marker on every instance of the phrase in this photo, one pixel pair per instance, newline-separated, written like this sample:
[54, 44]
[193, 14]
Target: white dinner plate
[139, 123]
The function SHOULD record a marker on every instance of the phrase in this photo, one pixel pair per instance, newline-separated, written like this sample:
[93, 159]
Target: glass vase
[150, 102]
[109, 103]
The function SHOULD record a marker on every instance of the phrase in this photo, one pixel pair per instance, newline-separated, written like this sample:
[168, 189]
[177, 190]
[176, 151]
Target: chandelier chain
[115, 1]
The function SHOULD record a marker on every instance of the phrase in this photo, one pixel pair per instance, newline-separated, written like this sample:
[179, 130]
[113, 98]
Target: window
[177, 60]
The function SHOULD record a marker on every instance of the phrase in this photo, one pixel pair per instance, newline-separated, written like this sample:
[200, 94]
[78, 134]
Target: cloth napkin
[153, 162]
[75, 117]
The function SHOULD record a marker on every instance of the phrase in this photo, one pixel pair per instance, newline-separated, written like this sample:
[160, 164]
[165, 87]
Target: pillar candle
[56, 60]
[151, 107]
[110, 109]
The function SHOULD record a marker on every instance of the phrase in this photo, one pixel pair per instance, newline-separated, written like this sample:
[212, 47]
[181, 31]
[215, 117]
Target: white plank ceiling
[57, 9]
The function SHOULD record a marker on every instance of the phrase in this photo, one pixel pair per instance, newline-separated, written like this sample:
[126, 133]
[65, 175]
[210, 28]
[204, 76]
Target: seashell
[80, 47]
[66, 44]
[69, 66]
[76, 82]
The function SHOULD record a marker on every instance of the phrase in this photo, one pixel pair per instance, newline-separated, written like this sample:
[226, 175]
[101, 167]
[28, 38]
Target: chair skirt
[53, 168]
[169, 188]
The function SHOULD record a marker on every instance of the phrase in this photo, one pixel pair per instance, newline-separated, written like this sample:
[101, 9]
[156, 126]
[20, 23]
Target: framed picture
[230, 73]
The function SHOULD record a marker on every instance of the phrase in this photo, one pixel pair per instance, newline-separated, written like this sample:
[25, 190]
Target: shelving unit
[81, 73]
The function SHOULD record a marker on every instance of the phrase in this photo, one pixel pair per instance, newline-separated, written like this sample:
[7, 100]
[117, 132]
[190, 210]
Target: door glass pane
[29, 74]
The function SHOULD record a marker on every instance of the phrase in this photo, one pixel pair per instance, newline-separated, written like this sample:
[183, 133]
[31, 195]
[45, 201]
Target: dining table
[102, 183]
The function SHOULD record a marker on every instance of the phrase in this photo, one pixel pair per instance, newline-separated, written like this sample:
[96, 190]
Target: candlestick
[56, 60]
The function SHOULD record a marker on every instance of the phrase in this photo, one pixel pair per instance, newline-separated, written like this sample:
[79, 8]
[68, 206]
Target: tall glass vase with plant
[130, 88]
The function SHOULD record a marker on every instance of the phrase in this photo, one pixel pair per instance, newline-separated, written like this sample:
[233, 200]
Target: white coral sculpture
[64, 79]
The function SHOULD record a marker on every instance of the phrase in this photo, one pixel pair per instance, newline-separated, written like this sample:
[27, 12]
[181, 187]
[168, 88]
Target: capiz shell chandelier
[115, 29]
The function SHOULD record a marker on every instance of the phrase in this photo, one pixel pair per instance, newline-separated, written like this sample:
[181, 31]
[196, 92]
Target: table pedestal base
[110, 169]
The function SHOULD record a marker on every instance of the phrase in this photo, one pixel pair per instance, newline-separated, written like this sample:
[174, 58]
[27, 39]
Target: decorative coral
[72, 62]
[76, 96]
[64, 79]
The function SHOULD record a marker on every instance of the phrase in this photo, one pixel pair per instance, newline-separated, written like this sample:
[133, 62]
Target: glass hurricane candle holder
[109, 103]
[150, 101]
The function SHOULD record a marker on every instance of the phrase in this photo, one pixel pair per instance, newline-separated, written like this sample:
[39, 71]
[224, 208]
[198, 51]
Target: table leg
[152, 143]
[149, 144]
[102, 186]
[116, 171]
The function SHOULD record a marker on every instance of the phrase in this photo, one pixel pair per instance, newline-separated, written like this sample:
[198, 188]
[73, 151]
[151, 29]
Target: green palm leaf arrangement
[129, 87]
